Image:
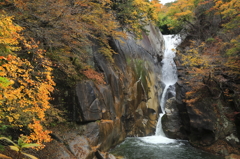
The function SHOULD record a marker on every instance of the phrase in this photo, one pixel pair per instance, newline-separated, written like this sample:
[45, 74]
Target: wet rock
[92, 133]
[237, 123]
[105, 133]
[80, 148]
[73, 146]
[101, 155]
[108, 111]
[150, 127]
[171, 121]
[232, 139]
[111, 133]
[55, 150]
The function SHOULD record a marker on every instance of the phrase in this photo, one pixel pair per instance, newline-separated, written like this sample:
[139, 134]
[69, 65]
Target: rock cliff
[127, 105]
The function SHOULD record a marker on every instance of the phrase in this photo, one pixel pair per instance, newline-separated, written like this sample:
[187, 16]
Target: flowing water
[169, 74]
[159, 146]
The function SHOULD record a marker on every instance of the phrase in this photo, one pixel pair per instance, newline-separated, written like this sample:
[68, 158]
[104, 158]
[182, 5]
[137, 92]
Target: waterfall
[169, 78]
[169, 75]
[159, 130]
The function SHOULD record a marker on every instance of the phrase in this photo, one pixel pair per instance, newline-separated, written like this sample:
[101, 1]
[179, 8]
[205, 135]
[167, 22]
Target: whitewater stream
[159, 146]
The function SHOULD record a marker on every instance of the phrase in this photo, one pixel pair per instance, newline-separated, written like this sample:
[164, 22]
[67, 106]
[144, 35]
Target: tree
[24, 89]
[8, 34]
[68, 25]
[182, 12]
[214, 57]
[134, 15]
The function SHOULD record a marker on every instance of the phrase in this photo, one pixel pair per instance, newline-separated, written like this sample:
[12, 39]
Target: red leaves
[97, 77]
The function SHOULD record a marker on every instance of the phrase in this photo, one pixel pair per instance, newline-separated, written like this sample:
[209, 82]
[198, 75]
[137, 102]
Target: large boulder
[171, 121]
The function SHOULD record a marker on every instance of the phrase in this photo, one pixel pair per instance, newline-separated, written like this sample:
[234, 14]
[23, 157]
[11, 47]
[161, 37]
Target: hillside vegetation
[211, 50]
[45, 46]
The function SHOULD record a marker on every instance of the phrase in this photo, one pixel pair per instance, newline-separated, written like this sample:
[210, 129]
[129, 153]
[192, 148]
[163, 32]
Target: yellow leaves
[188, 12]
[145, 9]
[229, 10]
[181, 12]
[157, 5]
[39, 135]
[9, 33]
[27, 95]
[135, 14]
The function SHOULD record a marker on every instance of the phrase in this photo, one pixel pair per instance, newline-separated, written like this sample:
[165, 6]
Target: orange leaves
[26, 97]
[186, 13]
[91, 74]
[157, 5]
[229, 12]
[182, 8]
[9, 33]
[39, 135]
[214, 26]
[194, 57]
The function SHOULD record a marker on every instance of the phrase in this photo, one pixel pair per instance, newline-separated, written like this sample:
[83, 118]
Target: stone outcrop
[171, 121]
[127, 105]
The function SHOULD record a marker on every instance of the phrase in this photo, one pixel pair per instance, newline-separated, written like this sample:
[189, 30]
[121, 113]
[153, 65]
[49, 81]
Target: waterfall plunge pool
[158, 147]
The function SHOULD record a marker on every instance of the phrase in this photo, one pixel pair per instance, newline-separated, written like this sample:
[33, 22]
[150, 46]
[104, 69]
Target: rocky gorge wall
[127, 105]
[209, 122]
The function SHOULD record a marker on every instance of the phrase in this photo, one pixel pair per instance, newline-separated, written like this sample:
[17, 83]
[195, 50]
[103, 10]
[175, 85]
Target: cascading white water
[169, 78]
[169, 74]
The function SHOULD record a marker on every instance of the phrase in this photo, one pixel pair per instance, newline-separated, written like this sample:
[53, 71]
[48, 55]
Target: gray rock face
[127, 105]
[90, 104]
[133, 83]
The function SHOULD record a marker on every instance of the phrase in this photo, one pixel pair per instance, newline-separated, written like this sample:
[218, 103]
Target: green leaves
[21, 144]
[8, 140]
[4, 82]
[135, 14]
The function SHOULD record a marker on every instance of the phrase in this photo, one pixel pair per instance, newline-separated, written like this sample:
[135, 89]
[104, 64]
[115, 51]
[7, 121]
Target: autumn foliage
[213, 46]
[135, 14]
[25, 88]
[93, 75]
[76, 25]
[26, 98]
[40, 37]
[8, 34]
